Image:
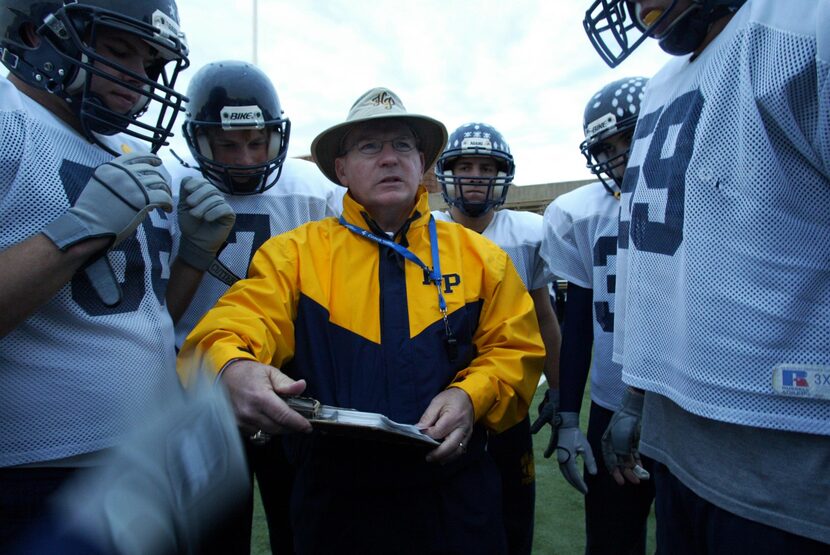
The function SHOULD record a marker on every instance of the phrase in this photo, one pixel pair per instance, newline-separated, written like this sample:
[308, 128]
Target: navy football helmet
[613, 110]
[65, 59]
[616, 29]
[475, 139]
[233, 95]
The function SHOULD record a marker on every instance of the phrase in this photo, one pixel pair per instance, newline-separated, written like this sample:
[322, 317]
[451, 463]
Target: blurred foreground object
[160, 491]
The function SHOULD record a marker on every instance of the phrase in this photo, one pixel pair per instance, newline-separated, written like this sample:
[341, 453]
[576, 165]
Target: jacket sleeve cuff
[481, 391]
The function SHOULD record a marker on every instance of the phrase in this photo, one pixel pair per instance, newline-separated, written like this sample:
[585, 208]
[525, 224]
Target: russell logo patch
[802, 380]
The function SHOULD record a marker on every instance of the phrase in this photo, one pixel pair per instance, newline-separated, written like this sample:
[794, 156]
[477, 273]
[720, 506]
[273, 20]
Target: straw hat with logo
[378, 103]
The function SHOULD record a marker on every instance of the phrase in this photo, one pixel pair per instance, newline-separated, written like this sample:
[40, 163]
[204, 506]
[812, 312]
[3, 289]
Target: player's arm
[112, 204]
[182, 285]
[551, 335]
[577, 342]
[32, 271]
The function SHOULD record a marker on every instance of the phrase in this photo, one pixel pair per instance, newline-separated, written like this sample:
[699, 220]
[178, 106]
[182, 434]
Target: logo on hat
[383, 98]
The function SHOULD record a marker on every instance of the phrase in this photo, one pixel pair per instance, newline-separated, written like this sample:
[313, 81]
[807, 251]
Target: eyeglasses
[371, 147]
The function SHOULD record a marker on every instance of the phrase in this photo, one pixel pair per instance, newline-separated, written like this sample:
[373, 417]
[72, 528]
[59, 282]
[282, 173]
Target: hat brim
[431, 133]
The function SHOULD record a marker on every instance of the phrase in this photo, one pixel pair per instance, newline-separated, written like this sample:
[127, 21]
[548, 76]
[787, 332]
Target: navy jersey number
[74, 178]
[258, 224]
[603, 248]
[664, 167]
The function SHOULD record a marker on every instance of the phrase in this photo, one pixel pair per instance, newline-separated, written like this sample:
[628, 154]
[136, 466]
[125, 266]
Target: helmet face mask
[235, 96]
[609, 167]
[65, 61]
[609, 121]
[477, 140]
[615, 29]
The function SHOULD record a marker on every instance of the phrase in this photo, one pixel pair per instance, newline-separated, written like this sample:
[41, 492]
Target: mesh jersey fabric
[519, 234]
[579, 245]
[76, 374]
[301, 195]
[724, 237]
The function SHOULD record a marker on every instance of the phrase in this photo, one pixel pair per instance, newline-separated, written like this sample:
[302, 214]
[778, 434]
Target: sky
[523, 66]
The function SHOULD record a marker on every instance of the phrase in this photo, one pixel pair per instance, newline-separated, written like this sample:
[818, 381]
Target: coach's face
[385, 180]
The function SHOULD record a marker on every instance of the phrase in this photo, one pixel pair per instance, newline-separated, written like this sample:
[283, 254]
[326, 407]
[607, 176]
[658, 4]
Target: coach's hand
[113, 203]
[449, 417]
[253, 388]
[548, 414]
[621, 440]
[571, 444]
[205, 220]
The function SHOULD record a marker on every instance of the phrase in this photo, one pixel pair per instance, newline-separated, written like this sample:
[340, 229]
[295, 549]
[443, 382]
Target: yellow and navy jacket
[362, 325]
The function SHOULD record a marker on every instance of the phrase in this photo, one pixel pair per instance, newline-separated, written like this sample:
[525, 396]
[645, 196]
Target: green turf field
[560, 528]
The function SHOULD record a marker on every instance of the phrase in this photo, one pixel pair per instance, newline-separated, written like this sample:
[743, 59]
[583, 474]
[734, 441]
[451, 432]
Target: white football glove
[113, 203]
[205, 220]
[573, 443]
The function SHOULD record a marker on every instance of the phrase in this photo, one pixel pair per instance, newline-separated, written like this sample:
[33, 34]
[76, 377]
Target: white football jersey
[580, 245]
[725, 226]
[302, 194]
[519, 234]
[76, 374]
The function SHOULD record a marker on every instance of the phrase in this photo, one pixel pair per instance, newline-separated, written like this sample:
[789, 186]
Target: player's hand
[449, 417]
[548, 414]
[114, 201]
[572, 443]
[621, 440]
[205, 220]
[253, 388]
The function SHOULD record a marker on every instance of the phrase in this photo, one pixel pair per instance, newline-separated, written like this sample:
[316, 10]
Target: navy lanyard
[434, 273]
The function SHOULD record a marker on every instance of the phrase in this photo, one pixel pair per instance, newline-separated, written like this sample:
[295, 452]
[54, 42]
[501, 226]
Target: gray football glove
[548, 414]
[205, 220]
[117, 197]
[572, 443]
[621, 439]
[113, 203]
[163, 487]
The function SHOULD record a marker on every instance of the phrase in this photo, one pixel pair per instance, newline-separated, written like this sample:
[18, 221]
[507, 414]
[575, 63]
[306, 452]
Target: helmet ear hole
[142, 103]
[274, 144]
[203, 144]
[28, 35]
[78, 82]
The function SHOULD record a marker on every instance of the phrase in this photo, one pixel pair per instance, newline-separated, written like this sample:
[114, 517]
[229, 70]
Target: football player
[238, 137]
[579, 245]
[723, 297]
[87, 287]
[475, 172]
